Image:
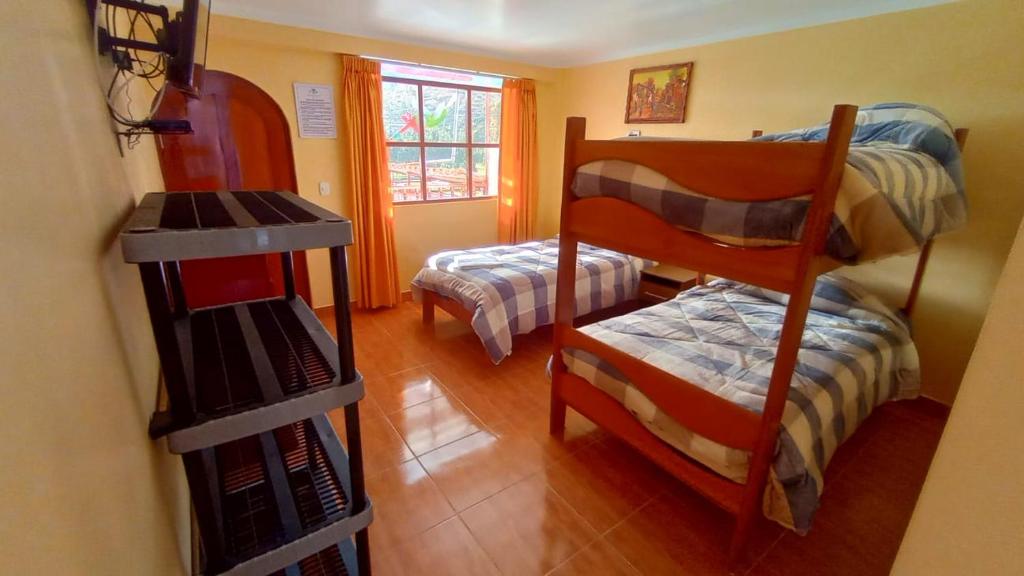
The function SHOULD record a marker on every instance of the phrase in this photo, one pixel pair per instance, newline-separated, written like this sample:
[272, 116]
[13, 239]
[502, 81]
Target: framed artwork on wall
[657, 95]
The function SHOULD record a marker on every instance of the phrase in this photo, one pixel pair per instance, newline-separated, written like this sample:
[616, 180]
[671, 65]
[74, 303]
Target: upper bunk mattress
[855, 355]
[511, 289]
[902, 185]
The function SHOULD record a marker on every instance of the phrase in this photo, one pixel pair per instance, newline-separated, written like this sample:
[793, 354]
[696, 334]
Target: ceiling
[558, 32]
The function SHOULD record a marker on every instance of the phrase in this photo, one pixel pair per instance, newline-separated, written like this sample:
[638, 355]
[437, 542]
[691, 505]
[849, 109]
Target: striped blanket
[855, 355]
[902, 185]
[511, 289]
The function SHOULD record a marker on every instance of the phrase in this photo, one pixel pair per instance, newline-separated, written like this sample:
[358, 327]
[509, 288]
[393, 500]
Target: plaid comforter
[855, 355]
[902, 185]
[511, 289]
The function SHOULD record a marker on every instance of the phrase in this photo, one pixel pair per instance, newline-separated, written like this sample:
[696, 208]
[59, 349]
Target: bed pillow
[910, 126]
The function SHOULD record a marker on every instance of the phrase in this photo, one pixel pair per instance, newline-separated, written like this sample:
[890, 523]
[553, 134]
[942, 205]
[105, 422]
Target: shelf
[267, 502]
[175, 226]
[335, 560]
[248, 368]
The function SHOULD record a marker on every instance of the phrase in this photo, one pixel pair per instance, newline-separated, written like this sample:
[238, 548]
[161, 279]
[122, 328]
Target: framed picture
[658, 94]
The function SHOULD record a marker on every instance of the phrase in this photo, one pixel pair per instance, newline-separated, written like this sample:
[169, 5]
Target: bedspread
[511, 289]
[901, 186]
[855, 355]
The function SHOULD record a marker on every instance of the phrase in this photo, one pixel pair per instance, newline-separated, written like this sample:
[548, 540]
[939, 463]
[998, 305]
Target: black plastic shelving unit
[248, 383]
[335, 560]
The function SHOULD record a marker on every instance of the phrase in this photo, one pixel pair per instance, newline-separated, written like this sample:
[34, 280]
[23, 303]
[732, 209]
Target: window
[443, 132]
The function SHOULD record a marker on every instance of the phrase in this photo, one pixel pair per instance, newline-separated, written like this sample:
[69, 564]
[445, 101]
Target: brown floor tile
[597, 559]
[434, 423]
[865, 509]
[680, 533]
[861, 518]
[482, 464]
[378, 353]
[579, 432]
[825, 551]
[447, 549]
[527, 528]
[606, 481]
[528, 498]
[503, 395]
[383, 448]
[406, 502]
[404, 389]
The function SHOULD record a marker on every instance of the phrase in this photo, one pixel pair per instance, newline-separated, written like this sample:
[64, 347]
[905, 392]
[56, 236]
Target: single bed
[722, 386]
[502, 291]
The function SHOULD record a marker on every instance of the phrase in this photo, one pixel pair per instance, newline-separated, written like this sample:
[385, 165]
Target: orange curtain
[366, 159]
[517, 194]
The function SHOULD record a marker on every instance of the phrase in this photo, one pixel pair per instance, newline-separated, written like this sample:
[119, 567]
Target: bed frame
[449, 305]
[739, 171]
[430, 299]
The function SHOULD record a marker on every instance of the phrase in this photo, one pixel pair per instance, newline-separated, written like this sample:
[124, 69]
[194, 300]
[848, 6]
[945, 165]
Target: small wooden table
[664, 282]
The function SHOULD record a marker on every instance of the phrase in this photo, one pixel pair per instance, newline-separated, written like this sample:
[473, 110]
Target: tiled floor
[465, 478]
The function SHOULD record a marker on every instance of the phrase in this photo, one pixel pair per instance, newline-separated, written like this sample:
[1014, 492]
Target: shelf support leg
[173, 271]
[346, 358]
[162, 320]
[289, 275]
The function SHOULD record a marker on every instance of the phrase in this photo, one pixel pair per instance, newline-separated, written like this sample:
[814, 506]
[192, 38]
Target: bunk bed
[722, 386]
[501, 291]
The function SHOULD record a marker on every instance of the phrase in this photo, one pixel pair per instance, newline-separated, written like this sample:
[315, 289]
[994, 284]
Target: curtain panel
[517, 192]
[366, 161]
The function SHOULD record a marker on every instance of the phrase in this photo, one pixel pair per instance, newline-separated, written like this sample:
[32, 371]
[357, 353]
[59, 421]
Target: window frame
[422, 144]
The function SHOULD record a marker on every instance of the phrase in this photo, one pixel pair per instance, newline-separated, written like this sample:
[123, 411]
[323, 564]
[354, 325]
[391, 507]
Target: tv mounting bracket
[107, 42]
[117, 47]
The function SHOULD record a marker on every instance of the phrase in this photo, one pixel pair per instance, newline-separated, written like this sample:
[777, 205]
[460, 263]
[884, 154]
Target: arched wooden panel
[241, 141]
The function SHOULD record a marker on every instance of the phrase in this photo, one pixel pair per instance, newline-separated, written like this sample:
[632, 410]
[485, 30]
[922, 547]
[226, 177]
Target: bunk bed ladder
[565, 284]
[813, 246]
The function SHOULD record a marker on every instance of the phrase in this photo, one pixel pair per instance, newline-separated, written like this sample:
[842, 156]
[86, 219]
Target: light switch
[325, 188]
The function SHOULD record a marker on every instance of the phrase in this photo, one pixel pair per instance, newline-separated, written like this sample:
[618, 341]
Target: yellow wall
[83, 488]
[965, 58]
[970, 515]
[274, 57]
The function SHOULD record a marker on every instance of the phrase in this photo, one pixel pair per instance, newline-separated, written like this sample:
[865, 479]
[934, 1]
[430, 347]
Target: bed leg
[557, 416]
[750, 510]
[740, 534]
[428, 308]
[557, 422]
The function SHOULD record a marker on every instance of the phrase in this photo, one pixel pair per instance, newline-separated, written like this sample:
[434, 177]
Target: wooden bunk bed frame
[739, 171]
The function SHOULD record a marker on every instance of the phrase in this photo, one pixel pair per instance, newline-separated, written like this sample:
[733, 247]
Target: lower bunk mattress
[855, 355]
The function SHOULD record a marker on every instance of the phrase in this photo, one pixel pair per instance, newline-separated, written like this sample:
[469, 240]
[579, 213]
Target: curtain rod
[422, 65]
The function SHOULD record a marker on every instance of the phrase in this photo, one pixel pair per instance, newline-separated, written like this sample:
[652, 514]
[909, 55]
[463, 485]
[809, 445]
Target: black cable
[149, 23]
[155, 70]
[151, 85]
[106, 15]
[146, 69]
